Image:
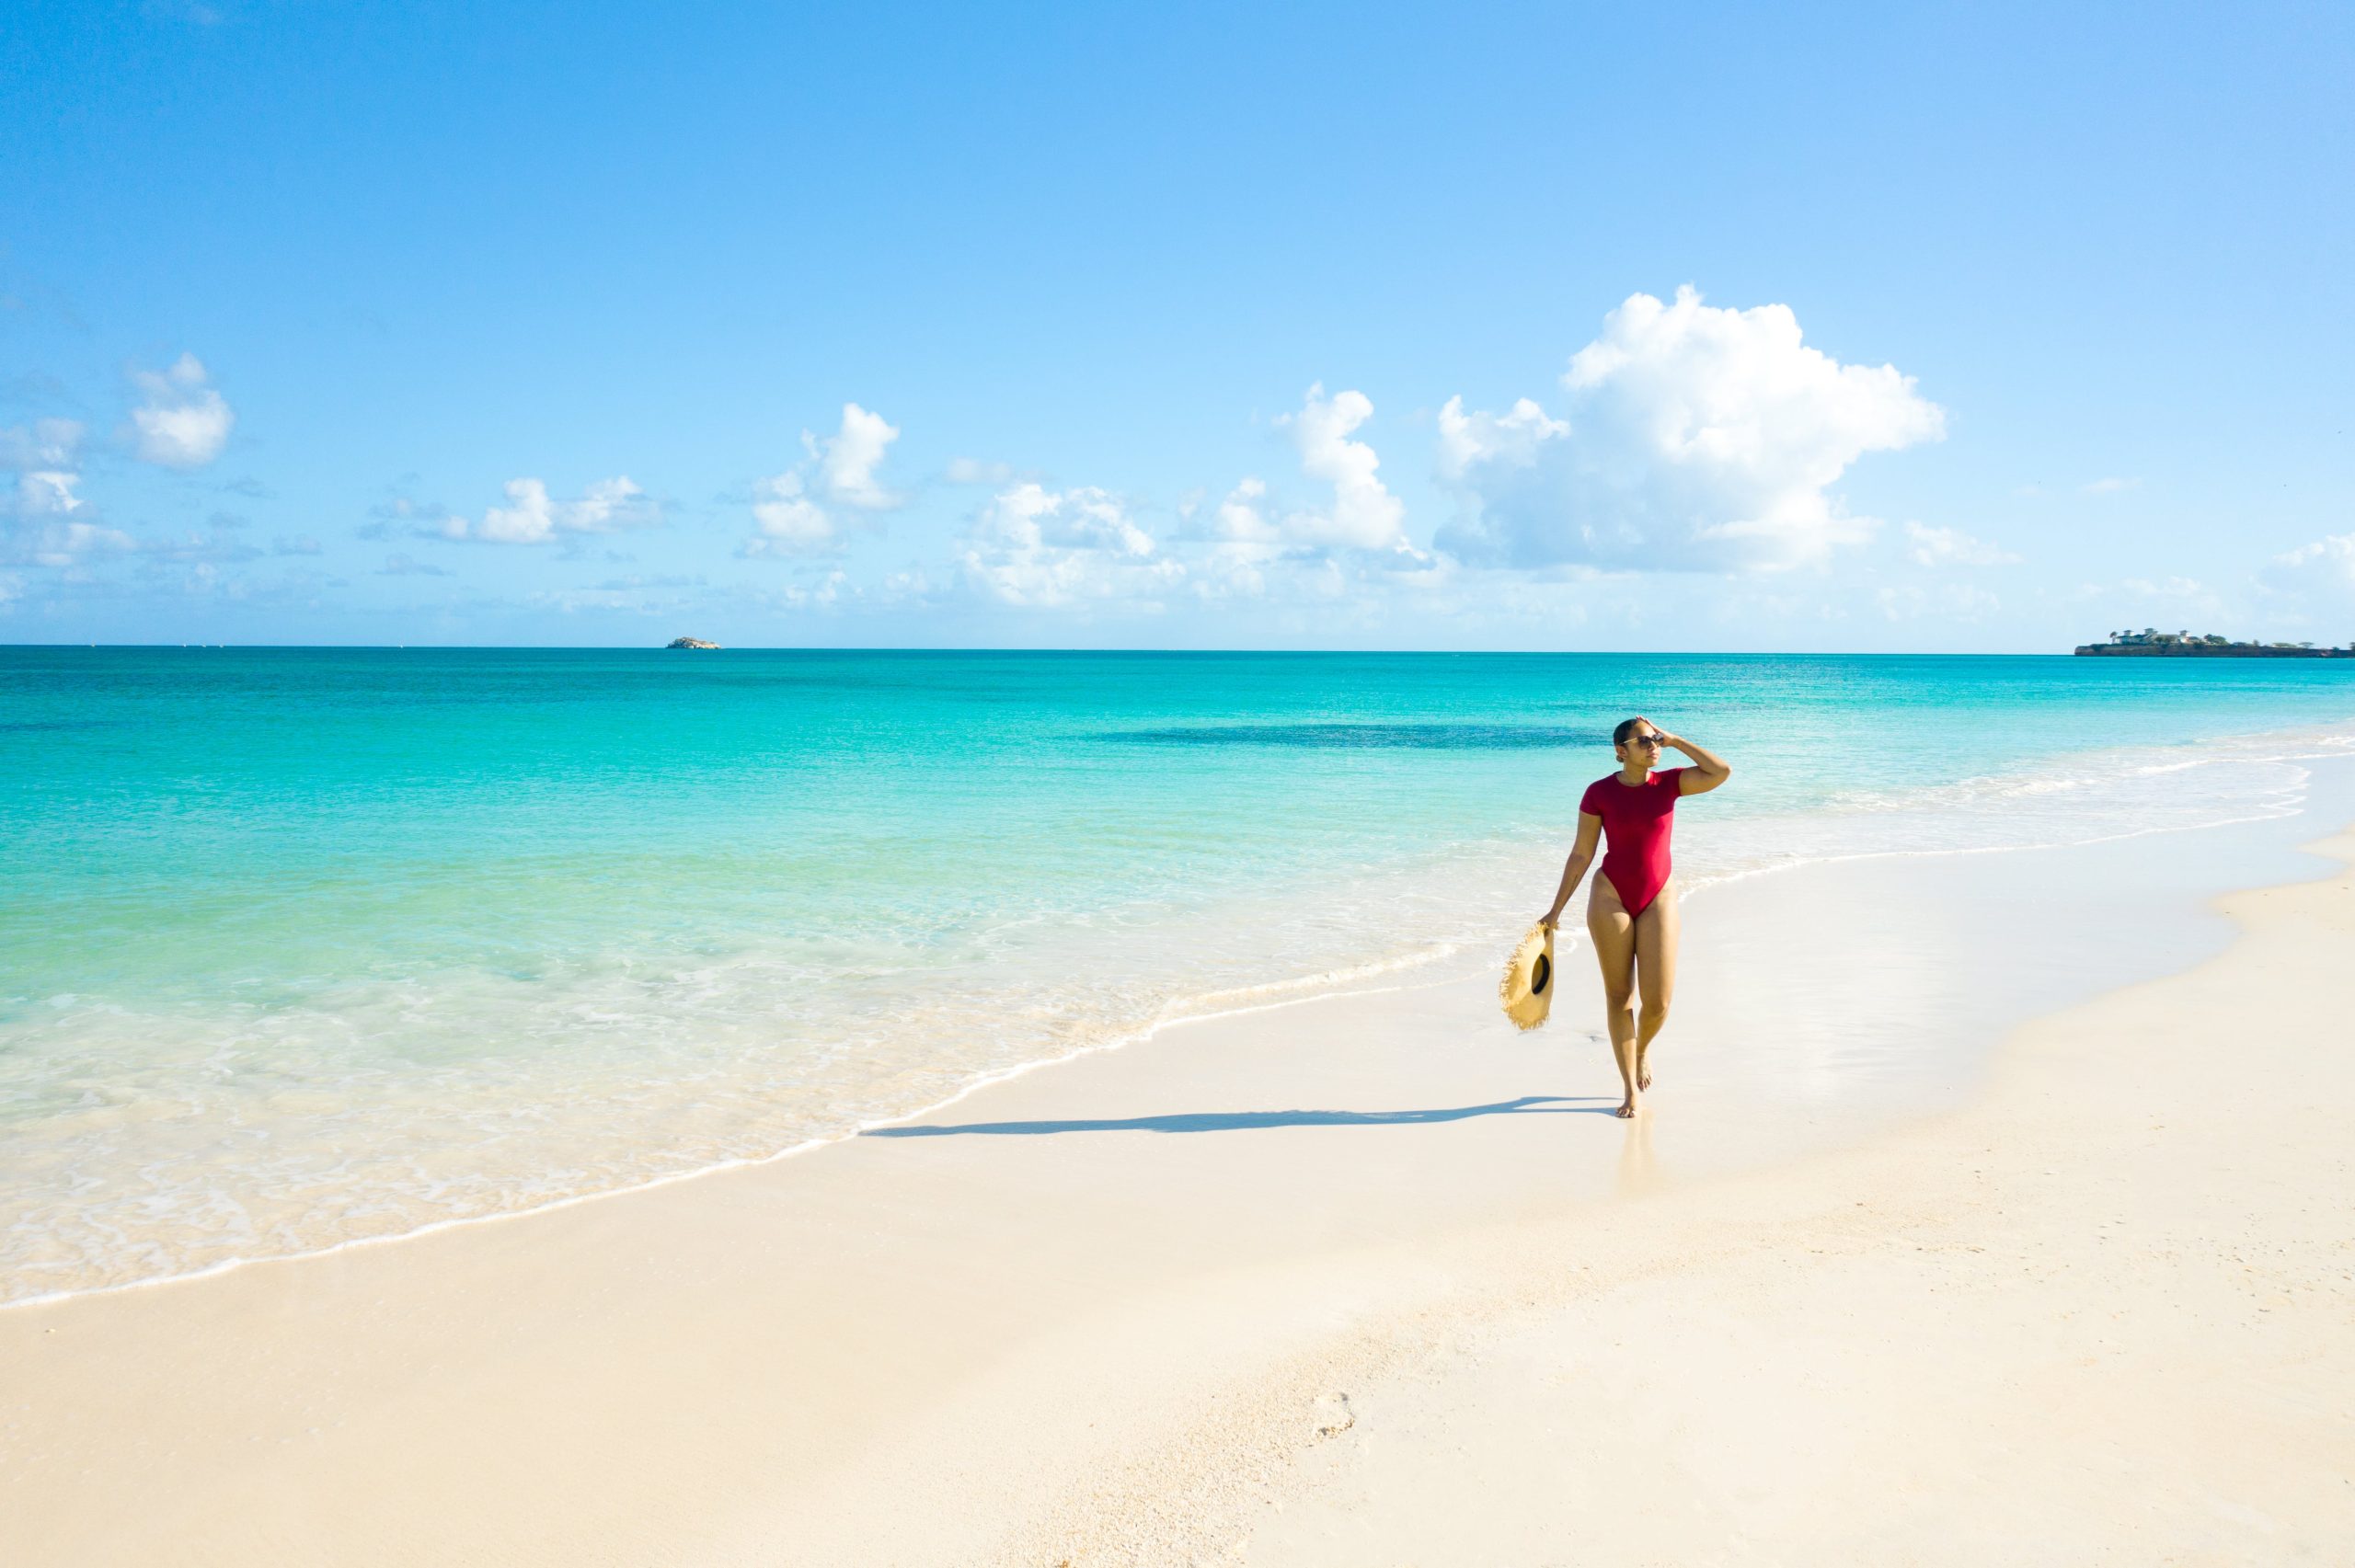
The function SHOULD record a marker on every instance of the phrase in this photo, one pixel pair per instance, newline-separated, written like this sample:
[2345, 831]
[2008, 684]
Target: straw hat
[1527, 990]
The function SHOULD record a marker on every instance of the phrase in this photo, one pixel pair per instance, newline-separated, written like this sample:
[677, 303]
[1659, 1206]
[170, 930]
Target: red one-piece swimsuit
[1635, 820]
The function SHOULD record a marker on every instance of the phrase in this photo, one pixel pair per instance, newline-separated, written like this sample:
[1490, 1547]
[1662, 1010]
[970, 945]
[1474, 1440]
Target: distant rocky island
[691, 642]
[2150, 644]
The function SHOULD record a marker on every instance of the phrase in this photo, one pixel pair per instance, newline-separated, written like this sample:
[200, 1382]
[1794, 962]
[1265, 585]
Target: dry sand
[2107, 1316]
[1368, 1280]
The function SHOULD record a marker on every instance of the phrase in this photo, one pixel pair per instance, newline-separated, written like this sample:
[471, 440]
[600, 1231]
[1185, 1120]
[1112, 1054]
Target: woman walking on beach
[1631, 913]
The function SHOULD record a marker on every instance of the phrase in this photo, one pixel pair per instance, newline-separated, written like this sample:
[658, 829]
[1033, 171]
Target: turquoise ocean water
[300, 947]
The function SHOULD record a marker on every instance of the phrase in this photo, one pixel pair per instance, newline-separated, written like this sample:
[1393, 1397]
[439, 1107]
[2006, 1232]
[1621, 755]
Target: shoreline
[801, 1353]
[1436, 951]
[2083, 1317]
[1141, 1036]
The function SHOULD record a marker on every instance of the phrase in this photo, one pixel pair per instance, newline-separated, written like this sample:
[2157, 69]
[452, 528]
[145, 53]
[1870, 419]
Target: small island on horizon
[690, 642]
[2149, 643]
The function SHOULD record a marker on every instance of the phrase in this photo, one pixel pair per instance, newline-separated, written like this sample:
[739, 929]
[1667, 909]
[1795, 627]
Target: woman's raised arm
[1708, 771]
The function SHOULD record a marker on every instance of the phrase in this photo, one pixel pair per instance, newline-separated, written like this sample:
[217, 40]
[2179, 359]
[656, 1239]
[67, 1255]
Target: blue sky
[2000, 327]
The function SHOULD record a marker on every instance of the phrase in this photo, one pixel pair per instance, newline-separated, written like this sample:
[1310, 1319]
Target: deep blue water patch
[1368, 737]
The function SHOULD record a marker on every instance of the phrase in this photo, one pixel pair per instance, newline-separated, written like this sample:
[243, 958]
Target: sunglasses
[1650, 740]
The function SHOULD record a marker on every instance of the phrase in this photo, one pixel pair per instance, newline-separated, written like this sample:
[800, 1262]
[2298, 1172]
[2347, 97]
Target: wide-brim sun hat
[1527, 989]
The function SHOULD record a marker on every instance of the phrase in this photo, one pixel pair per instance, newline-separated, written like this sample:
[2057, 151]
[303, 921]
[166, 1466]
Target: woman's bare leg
[1656, 932]
[1613, 933]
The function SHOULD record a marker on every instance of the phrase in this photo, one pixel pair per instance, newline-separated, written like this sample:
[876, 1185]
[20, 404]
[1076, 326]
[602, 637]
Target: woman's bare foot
[1629, 1107]
[1643, 1075]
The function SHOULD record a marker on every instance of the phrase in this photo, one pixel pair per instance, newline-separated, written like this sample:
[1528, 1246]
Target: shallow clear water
[299, 946]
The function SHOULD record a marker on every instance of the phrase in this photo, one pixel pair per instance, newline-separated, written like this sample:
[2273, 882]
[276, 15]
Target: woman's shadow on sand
[1244, 1121]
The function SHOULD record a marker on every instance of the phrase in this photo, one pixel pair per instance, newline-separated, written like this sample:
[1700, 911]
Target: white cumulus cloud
[45, 443]
[1693, 437]
[48, 523]
[1233, 569]
[1244, 544]
[533, 517]
[847, 459]
[1511, 438]
[793, 509]
[1043, 548]
[2327, 562]
[57, 543]
[46, 456]
[47, 492]
[1244, 514]
[1364, 514]
[790, 523]
[182, 420]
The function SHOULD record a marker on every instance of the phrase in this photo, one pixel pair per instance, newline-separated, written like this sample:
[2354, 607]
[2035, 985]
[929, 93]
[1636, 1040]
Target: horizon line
[1045, 648]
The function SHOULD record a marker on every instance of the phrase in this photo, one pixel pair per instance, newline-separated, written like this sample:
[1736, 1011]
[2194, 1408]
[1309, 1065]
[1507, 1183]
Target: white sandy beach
[1372, 1279]
[771, 776]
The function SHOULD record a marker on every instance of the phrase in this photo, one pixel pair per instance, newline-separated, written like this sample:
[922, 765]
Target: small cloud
[792, 509]
[44, 443]
[1364, 514]
[1242, 514]
[2107, 486]
[533, 517]
[973, 471]
[2177, 600]
[46, 456]
[183, 421]
[43, 492]
[198, 548]
[847, 459]
[831, 589]
[296, 585]
[399, 565]
[294, 544]
[55, 542]
[1251, 533]
[401, 516]
[1931, 547]
[790, 523]
[2327, 562]
[1047, 548]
